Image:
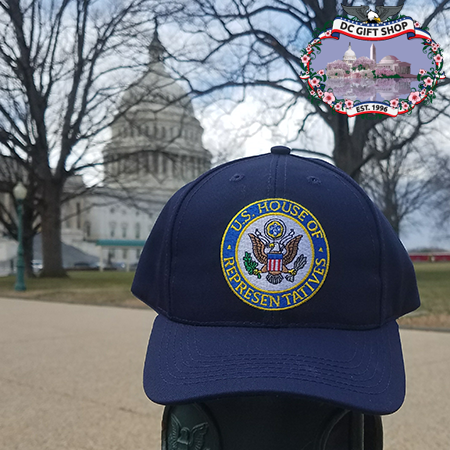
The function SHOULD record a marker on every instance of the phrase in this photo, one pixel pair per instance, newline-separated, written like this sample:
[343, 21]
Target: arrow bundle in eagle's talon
[300, 262]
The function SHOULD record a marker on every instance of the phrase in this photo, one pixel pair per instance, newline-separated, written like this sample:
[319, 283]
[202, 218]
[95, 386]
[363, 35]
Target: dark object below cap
[268, 422]
[288, 281]
[280, 150]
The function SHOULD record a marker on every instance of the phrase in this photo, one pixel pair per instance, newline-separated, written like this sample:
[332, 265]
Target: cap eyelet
[313, 180]
[237, 177]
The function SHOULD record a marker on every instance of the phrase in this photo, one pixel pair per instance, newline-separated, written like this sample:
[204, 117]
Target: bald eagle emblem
[275, 251]
[365, 14]
[182, 438]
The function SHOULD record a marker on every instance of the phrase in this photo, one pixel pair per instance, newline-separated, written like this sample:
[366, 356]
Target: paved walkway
[71, 377]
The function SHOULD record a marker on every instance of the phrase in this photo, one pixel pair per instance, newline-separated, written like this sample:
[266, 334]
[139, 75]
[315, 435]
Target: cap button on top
[280, 150]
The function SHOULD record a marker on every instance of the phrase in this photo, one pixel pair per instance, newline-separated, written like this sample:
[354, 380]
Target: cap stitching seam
[381, 252]
[269, 179]
[381, 266]
[191, 382]
[171, 248]
[349, 182]
[272, 318]
[180, 215]
[291, 325]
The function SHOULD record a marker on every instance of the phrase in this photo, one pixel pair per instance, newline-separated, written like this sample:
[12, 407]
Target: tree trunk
[390, 203]
[390, 211]
[348, 152]
[51, 230]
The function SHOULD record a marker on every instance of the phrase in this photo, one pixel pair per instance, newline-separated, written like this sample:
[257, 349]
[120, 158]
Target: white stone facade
[393, 63]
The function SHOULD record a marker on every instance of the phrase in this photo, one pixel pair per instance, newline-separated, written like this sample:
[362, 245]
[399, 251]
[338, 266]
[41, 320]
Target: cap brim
[360, 370]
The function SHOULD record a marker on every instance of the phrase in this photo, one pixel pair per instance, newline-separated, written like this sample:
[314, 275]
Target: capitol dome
[389, 58]
[156, 89]
[156, 140]
[349, 55]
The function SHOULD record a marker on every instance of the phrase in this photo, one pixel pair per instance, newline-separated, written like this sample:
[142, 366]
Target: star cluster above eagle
[365, 14]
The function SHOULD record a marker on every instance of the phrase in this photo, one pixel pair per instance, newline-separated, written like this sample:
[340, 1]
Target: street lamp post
[20, 192]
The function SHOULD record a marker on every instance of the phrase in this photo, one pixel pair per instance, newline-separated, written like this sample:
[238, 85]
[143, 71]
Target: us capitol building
[390, 62]
[154, 150]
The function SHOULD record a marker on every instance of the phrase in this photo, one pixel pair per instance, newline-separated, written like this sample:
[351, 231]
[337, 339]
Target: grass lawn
[433, 280]
[86, 287]
[113, 289]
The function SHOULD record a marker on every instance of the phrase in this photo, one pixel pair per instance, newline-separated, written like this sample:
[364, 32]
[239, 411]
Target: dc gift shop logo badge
[274, 254]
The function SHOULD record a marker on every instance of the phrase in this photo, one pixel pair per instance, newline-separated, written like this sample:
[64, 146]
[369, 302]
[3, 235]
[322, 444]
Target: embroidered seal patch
[274, 254]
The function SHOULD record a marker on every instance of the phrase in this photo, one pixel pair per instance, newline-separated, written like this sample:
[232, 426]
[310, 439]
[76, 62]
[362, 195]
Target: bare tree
[243, 45]
[400, 178]
[440, 205]
[63, 65]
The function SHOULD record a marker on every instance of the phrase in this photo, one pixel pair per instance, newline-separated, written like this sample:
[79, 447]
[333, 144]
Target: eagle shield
[275, 252]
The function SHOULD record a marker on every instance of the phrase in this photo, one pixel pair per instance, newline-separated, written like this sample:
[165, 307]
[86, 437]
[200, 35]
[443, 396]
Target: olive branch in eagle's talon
[251, 265]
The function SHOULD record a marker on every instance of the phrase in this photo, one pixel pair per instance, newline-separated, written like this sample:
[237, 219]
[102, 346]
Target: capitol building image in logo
[348, 65]
[365, 79]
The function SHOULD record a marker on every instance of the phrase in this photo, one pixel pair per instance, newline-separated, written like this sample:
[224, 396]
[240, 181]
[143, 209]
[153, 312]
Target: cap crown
[370, 278]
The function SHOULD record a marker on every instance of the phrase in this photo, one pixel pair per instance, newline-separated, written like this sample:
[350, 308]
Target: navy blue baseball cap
[275, 274]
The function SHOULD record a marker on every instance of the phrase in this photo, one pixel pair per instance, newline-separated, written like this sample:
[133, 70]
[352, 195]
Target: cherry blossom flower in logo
[438, 59]
[422, 72]
[384, 71]
[319, 93]
[321, 72]
[435, 47]
[338, 106]
[394, 103]
[423, 93]
[312, 92]
[309, 49]
[417, 24]
[314, 82]
[430, 92]
[363, 62]
[328, 33]
[329, 98]
[349, 104]
[405, 105]
[305, 59]
[414, 97]
[428, 81]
